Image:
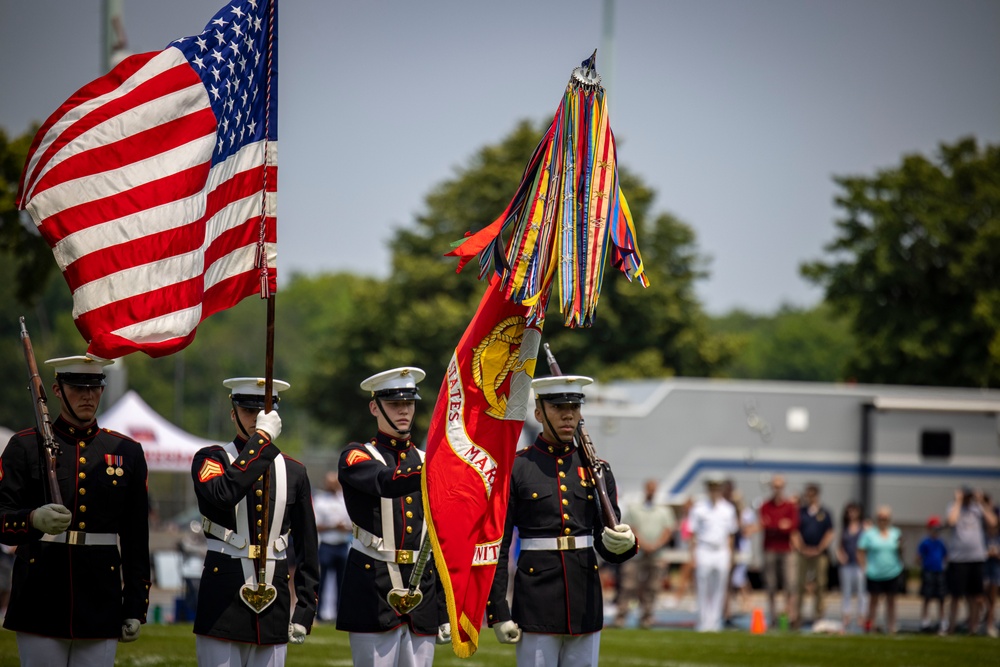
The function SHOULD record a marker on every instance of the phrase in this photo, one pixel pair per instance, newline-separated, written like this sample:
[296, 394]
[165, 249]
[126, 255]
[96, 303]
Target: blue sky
[737, 113]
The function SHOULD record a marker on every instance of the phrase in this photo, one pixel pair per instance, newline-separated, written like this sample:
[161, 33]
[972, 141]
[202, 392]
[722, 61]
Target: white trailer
[908, 447]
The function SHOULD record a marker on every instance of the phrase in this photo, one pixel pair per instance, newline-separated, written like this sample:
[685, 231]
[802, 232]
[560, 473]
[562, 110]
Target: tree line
[910, 284]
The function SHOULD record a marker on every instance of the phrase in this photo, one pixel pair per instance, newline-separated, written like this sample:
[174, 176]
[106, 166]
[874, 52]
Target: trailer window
[935, 444]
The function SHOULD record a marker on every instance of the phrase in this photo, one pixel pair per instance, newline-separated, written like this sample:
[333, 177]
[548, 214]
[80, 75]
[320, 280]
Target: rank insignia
[210, 469]
[356, 456]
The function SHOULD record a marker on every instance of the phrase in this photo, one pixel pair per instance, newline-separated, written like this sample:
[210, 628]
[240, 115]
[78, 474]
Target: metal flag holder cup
[405, 600]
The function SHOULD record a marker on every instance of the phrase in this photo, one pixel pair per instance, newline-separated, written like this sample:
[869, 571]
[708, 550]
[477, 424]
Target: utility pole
[114, 45]
[605, 57]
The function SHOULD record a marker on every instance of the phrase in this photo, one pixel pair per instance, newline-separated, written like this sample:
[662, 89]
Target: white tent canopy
[167, 447]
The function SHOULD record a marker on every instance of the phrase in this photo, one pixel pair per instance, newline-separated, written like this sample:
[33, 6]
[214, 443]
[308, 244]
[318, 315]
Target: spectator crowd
[806, 548]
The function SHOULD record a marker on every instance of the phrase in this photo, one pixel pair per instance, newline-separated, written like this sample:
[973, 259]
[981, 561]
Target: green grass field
[173, 646]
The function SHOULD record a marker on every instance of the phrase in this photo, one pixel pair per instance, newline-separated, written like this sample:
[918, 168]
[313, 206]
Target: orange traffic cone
[758, 625]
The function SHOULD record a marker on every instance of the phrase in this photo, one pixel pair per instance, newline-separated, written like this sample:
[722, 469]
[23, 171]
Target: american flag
[156, 185]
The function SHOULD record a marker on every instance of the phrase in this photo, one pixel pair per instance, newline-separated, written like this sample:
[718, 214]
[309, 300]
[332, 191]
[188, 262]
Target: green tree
[20, 243]
[417, 315]
[916, 267]
[793, 344]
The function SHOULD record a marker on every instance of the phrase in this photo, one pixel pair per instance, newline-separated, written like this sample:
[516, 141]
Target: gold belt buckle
[253, 551]
[566, 542]
[404, 557]
[75, 537]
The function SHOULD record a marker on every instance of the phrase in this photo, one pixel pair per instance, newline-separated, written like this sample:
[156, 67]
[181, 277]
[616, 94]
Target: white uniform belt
[371, 545]
[564, 543]
[79, 538]
[277, 552]
[225, 534]
[235, 545]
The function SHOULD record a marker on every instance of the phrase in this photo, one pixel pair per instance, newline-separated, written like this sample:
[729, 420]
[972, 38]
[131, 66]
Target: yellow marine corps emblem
[504, 351]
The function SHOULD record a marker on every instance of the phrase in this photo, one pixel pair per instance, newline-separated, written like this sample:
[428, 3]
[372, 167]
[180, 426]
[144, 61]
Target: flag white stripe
[237, 262]
[177, 324]
[160, 63]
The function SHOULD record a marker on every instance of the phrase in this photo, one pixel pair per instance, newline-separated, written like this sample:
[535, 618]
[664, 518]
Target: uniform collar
[392, 442]
[554, 449]
[67, 430]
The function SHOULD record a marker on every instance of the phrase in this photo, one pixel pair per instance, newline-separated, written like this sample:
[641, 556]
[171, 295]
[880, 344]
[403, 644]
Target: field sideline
[173, 646]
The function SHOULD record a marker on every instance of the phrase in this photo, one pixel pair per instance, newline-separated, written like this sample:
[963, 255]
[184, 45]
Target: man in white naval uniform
[713, 524]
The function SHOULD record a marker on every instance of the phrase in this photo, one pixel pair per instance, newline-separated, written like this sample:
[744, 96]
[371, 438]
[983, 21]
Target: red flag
[155, 185]
[470, 450]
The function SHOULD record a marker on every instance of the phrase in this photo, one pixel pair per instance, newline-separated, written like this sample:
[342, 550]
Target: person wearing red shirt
[779, 519]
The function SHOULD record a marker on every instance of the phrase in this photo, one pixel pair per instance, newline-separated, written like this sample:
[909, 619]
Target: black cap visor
[253, 401]
[82, 379]
[563, 399]
[399, 394]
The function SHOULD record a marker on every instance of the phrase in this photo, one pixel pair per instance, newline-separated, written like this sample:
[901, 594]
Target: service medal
[119, 472]
[111, 470]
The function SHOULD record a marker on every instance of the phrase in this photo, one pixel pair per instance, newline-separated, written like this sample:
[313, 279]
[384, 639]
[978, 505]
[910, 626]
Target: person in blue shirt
[932, 553]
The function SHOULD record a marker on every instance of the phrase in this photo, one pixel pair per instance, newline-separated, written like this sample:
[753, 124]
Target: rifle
[594, 469]
[49, 445]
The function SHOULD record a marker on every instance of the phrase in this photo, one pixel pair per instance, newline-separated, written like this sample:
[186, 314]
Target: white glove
[444, 633]
[296, 633]
[507, 632]
[52, 519]
[130, 629]
[618, 540]
[270, 423]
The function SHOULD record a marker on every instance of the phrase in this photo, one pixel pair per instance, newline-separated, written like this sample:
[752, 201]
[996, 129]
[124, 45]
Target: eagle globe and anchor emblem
[510, 349]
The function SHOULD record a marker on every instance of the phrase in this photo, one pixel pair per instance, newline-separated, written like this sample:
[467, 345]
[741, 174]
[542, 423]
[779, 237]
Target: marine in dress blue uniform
[229, 481]
[381, 484]
[81, 572]
[557, 611]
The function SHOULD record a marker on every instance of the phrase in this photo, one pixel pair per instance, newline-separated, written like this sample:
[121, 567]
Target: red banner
[470, 450]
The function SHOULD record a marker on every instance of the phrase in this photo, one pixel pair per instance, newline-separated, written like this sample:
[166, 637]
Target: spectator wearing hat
[76, 593]
[245, 616]
[969, 516]
[932, 555]
[557, 612]
[381, 485]
[713, 527]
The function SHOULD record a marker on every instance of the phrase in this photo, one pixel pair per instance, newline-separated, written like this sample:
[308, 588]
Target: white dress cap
[397, 384]
[714, 478]
[249, 392]
[561, 389]
[81, 370]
